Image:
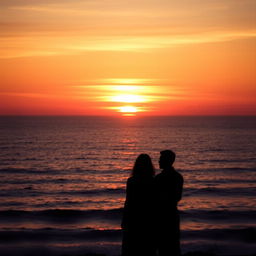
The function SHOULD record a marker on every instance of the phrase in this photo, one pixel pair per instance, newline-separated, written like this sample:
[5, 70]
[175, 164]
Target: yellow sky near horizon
[147, 57]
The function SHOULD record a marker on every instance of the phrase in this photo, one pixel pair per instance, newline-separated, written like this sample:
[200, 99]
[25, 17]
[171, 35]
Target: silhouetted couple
[151, 224]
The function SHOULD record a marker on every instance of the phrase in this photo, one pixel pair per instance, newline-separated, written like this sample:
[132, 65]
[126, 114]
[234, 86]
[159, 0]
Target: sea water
[62, 181]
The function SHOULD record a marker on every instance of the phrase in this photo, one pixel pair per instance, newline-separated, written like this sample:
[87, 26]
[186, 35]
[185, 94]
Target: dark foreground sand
[186, 254]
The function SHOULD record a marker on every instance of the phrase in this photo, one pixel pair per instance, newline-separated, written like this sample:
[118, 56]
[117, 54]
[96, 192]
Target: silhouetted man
[168, 186]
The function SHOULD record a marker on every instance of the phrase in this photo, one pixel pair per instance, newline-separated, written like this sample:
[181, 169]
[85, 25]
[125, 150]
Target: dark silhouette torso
[168, 192]
[138, 217]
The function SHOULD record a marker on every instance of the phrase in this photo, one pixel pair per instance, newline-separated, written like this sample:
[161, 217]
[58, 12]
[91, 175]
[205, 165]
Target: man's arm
[179, 188]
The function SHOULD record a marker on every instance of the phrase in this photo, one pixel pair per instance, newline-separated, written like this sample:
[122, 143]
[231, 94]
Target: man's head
[167, 158]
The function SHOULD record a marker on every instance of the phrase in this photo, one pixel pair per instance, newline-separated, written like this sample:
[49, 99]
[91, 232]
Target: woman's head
[143, 166]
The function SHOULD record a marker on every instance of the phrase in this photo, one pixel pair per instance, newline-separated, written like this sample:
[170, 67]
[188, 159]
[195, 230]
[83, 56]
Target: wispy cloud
[44, 46]
[35, 28]
[27, 95]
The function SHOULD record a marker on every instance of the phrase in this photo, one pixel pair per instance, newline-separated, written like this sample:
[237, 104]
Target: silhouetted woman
[137, 223]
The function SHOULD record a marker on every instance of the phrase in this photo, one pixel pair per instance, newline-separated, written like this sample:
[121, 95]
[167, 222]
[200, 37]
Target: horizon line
[135, 116]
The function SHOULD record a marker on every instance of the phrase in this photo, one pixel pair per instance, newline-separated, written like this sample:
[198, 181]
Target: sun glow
[128, 88]
[128, 92]
[128, 98]
[128, 109]
[127, 81]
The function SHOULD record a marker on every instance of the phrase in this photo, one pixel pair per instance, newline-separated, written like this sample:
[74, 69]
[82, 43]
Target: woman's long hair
[143, 166]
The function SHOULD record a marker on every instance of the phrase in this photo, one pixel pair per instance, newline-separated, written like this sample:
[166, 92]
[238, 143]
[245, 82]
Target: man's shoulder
[162, 177]
[179, 176]
[169, 175]
[130, 180]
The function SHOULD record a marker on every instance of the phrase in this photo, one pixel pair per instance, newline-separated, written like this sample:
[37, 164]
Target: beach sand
[196, 253]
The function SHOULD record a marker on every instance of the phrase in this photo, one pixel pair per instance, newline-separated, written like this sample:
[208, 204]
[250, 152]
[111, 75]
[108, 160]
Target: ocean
[62, 181]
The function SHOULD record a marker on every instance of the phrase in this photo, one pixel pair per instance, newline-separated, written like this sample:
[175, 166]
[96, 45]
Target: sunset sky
[115, 57]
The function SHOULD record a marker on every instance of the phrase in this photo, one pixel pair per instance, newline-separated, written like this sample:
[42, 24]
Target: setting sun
[128, 109]
[114, 95]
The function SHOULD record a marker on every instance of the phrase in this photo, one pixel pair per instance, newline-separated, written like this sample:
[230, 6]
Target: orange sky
[114, 57]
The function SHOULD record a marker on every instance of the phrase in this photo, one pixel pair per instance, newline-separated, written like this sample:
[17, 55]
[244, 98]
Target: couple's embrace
[150, 219]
